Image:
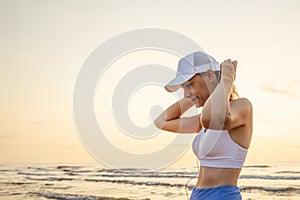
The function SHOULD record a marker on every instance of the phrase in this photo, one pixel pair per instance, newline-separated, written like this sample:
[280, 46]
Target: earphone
[186, 192]
[187, 196]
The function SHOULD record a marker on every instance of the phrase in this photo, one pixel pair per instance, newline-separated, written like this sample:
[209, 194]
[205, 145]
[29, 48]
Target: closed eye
[188, 85]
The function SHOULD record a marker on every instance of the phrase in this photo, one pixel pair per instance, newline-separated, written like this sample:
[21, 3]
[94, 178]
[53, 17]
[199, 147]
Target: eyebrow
[184, 84]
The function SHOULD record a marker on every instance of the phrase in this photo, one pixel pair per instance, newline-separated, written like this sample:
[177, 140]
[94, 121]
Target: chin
[198, 105]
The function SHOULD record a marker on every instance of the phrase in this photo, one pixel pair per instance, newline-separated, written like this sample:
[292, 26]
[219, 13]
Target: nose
[187, 93]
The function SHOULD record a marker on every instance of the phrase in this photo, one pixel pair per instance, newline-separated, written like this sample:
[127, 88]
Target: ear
[210, 75]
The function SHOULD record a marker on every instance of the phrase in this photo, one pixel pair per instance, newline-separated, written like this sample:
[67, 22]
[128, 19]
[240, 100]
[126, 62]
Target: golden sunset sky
[45, 43]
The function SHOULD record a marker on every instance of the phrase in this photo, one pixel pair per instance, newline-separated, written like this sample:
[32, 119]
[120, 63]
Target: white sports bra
[215, 148]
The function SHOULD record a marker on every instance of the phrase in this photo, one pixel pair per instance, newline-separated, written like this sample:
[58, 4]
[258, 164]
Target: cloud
[10, 136]
[43, 123]
[290, 88]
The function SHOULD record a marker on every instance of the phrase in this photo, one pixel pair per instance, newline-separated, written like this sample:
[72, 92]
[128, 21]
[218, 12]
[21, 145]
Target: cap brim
[172, 88]
[174, 84]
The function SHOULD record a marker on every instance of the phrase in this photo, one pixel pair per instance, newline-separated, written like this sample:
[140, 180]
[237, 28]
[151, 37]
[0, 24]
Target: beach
[92, 182]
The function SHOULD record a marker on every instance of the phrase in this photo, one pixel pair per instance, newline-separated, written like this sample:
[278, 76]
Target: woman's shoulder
[242, 103]
[243, 100]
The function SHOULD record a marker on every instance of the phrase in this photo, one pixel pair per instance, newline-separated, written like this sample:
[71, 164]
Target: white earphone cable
[186, 192]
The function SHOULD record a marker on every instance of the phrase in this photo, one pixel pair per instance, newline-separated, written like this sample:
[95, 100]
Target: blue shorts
[224, 192]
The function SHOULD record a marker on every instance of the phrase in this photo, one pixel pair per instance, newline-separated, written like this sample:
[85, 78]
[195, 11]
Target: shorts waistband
[217, 187]
[223, 192]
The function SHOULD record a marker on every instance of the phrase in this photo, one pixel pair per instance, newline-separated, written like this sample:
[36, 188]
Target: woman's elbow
[205, 123]
[159, 123]
[216, 124]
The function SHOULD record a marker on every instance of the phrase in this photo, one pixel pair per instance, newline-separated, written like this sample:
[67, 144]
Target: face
[198, 88]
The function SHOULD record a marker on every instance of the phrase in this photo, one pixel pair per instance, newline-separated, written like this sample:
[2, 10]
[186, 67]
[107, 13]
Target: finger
[227, 65]
[229, 62]
[226, 61]
[234, 63]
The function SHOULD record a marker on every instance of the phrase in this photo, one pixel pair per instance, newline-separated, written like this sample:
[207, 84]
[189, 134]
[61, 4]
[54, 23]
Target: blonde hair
[234, 93]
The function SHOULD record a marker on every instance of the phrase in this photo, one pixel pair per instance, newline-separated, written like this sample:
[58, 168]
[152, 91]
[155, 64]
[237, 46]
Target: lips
[194, 99]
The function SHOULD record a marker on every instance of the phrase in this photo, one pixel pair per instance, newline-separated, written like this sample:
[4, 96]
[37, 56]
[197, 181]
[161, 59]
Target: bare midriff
[213, 177]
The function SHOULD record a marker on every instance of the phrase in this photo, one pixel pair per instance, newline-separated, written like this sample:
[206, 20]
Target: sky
[44, 45]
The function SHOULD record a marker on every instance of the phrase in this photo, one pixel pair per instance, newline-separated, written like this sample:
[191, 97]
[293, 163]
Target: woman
[224, 125]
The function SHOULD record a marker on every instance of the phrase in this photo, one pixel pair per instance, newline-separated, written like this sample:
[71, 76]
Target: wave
[147, 183]
[148, 175]
[17, 183]
[288, 172]
[257, 166]
[68, 166]
[56, 187]
[40, 168]
[173, 174]
[14, 193]
[183, 175]
[268, 177]
[145, 171]
[49, 179]
[78, 197]
[64, 168]
[242, 188]
[7, 170]
[270, 189]
[35, 174]
[72, 172]
[77, 171]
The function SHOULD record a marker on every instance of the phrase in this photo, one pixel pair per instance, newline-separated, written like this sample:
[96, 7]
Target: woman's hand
[228, 70]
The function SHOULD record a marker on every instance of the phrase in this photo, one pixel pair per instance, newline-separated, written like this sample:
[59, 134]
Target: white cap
[197, 62]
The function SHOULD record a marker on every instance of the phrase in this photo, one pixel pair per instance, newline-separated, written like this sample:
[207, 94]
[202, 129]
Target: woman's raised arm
[171, 120]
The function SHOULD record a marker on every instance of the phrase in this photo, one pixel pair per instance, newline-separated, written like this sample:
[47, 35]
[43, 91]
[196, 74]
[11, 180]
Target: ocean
[91, 182]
